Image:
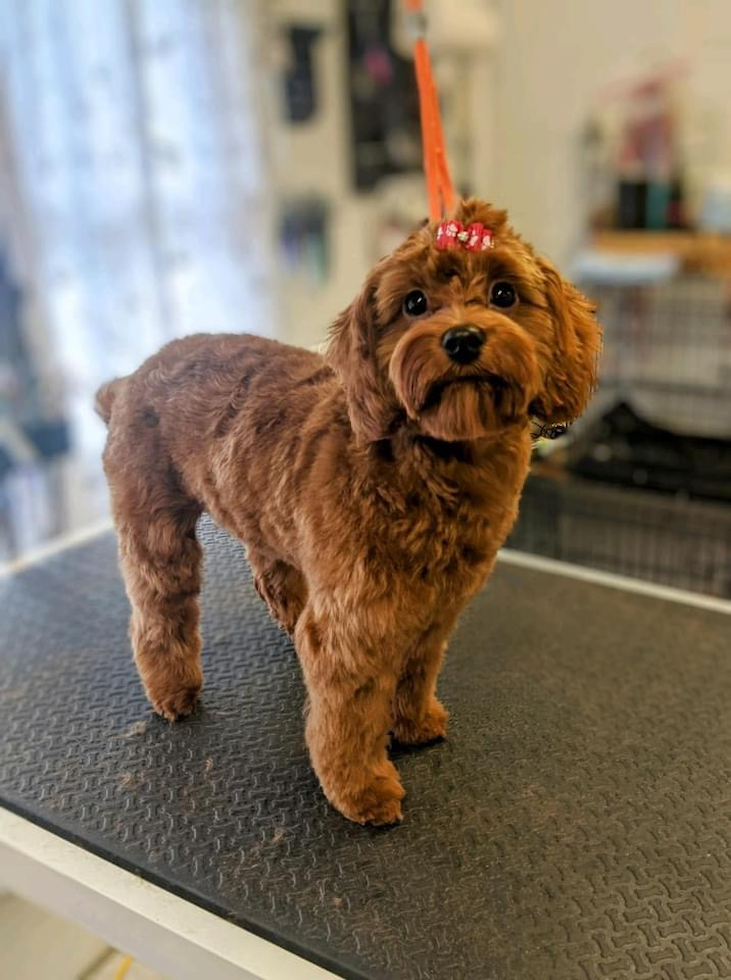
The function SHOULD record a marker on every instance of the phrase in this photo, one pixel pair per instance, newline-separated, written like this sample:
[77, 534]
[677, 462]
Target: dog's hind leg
[281, 586]
[160, 559]
[161, 564]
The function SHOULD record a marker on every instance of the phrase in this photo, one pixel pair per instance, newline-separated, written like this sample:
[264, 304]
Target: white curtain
[134, 188]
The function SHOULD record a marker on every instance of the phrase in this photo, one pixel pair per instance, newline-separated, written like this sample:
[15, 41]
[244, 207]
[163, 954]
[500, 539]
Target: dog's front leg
[281, 586]
[419, 716]
[351, 687]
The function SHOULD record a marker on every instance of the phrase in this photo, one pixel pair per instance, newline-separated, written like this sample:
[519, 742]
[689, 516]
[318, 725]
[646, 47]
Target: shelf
[701, 252]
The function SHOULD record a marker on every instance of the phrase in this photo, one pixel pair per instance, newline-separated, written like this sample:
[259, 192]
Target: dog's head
[462, 331]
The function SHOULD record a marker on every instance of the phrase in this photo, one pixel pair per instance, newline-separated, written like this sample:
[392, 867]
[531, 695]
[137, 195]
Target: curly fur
[372, 487]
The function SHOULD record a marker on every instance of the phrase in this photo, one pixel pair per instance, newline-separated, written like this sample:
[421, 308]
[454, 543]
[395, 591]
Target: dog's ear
[352, 353]
[572, 374]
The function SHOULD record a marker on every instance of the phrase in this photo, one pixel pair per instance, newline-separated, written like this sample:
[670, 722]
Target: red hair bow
[475, 238]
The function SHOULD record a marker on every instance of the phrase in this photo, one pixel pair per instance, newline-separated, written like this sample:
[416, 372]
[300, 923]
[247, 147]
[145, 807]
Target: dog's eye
[416, 303]
[503, 294]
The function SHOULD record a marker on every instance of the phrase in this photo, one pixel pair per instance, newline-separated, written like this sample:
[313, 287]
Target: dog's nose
[463, 344]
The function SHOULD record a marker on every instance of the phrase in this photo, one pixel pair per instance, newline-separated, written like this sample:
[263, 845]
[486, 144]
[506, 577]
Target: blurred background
[170, 166]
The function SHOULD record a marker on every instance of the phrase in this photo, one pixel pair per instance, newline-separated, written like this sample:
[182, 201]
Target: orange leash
[439, 187]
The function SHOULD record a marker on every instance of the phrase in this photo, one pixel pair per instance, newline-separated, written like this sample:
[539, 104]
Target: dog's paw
[176, 704]
[173, 692]
[377, 803]
[428, 728]
[380, 813]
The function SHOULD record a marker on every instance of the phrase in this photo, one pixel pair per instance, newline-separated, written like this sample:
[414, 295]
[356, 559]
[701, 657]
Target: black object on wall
[299, 80]
[383, 99]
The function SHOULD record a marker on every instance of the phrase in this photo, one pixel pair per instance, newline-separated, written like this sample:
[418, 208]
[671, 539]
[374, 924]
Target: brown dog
[372, 487]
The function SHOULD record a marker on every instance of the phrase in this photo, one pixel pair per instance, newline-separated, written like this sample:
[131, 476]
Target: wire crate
[667, 349]
[669, 540]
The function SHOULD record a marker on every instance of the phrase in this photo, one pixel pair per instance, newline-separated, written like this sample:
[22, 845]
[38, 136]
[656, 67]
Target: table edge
[134, 915]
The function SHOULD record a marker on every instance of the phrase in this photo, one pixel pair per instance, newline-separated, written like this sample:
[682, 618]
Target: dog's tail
[104, 401]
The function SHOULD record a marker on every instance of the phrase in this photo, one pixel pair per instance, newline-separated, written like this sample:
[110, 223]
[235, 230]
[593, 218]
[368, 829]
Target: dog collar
[539, 431]
[474, 238]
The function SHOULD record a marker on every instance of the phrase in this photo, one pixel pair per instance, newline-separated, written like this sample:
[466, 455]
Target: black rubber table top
[576, 824]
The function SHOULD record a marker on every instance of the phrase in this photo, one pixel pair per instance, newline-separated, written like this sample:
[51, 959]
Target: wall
[528, 99]
[312, 159]
[553, 59]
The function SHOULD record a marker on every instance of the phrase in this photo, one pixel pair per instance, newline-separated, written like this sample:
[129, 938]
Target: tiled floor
[35, 945]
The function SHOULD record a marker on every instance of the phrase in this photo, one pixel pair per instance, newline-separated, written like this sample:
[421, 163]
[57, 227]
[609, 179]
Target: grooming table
[576, 824]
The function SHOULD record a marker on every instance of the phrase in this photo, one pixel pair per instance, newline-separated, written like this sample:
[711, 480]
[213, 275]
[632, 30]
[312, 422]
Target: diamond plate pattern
[575, 826]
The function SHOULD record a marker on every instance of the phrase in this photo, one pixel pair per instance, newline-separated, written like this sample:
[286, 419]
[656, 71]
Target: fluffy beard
[464, 403]
[469, 408]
